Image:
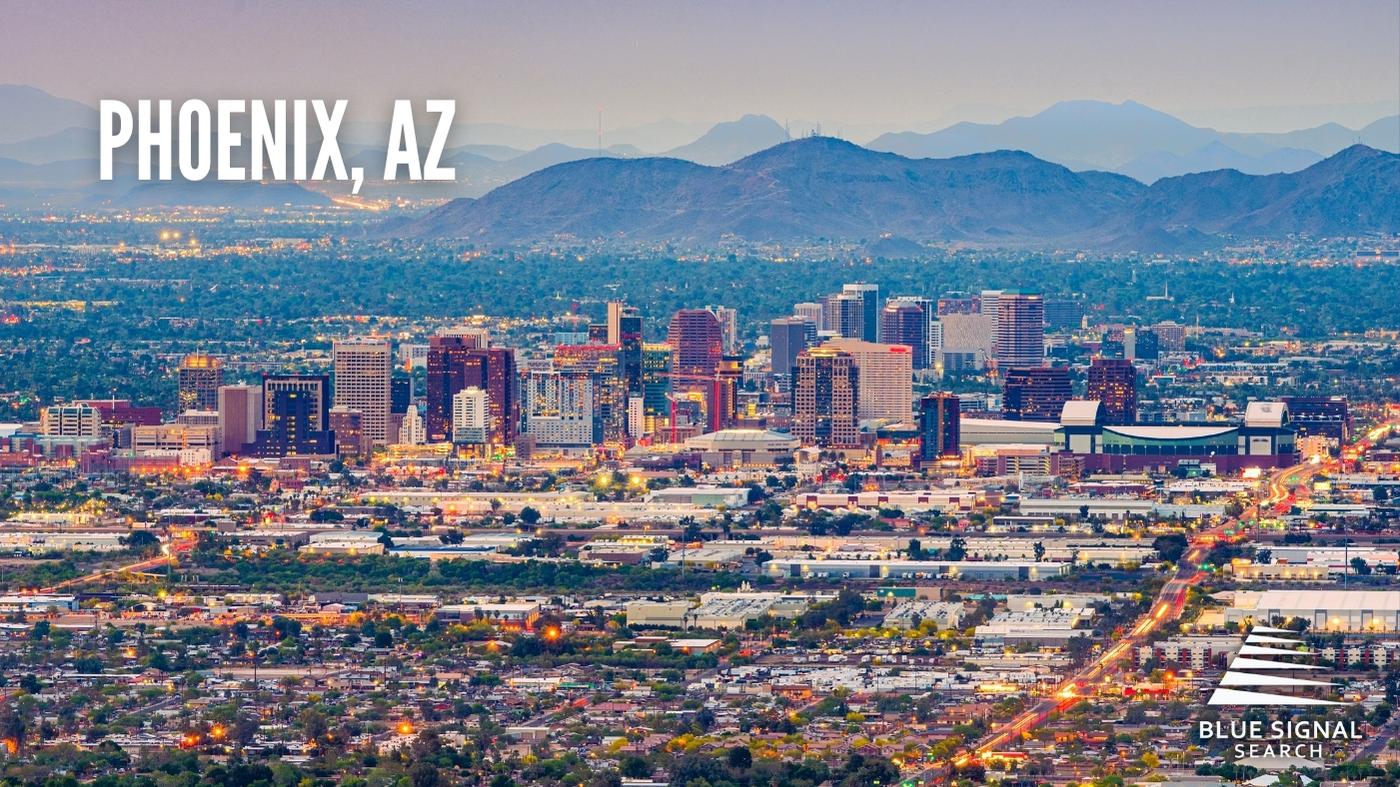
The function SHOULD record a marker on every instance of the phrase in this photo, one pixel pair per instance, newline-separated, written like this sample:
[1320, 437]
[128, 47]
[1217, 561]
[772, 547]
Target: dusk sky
[1272, 65]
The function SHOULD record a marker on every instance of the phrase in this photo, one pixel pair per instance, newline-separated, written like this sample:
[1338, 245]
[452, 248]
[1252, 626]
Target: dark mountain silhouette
[1355, 192]
[814, 187]
[825, 188]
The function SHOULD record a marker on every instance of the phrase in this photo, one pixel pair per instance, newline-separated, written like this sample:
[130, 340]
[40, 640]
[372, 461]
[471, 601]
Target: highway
[176, 546]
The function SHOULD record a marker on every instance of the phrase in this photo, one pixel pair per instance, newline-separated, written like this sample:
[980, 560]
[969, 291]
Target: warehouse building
[810, 568]
[1324, 610]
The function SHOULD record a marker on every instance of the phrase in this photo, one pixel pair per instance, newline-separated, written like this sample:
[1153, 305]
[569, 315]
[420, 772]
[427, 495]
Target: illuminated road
[1279, 488]
[1165, 609]
[159, 561]
[1281, 485]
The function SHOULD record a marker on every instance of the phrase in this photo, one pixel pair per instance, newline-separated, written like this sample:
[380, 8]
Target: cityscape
[1034, 448]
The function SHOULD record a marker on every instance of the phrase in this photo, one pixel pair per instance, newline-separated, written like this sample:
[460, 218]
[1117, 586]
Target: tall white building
[728, 327]
[363, 368]
[885, 378]
[413, 430]
[471, 419]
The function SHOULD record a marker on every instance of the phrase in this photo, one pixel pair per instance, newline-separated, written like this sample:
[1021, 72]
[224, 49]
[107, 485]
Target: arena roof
[1170, 432]
[1266, 414]
[1080, 412]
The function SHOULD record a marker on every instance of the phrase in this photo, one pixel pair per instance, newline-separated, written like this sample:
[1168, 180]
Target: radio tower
[600, 132]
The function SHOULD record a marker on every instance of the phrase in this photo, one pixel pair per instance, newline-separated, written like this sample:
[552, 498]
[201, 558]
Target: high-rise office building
[604, 363]
[625, 331]
[1019, 330]
[825, 392]
[70, 420]
[455, 363]
[845, 315]
[471, 417]
[400, 393]
[296, 417]
[561, 408]
[316, 386]
[200, 377]
[240, 415]
[907, 321]
[886, 373]
[656, 377]
[729, 379]
[448, 358]
[869, 295]
[1320, 416]
[811, 312]
[496, 374]
[1171, 336]
[363, 369]
[697, 347]
[1141, 344]
[940, 425]
[788, 336]
[413, 429]
[1113, 383]
[1035, 393]
[1063, 312]
[989, 303]
[697, 344]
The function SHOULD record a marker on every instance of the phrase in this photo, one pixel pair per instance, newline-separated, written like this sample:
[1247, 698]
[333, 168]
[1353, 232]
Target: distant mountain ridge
[726, 143]
[826, 188]
[57, 138]
[1139, 141]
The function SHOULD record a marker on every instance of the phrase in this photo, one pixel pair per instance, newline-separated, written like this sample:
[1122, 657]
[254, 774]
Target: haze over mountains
[1140, 142]
[760, 189]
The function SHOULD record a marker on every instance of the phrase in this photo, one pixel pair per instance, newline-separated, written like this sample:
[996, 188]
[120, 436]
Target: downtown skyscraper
[363, 368]
[825, 391]
[200, 376]
[1019, 330]
[1113, 382]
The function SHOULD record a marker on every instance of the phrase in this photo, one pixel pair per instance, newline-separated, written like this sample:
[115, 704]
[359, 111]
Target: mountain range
[819, 187]
[48, 149]
[1141, 142]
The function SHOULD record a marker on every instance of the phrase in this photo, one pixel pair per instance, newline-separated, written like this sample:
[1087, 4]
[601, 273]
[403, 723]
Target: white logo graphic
[1266, 652]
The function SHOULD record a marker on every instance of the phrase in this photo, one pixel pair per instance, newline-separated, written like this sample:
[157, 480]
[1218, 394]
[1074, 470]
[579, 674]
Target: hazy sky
[1266, 65]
